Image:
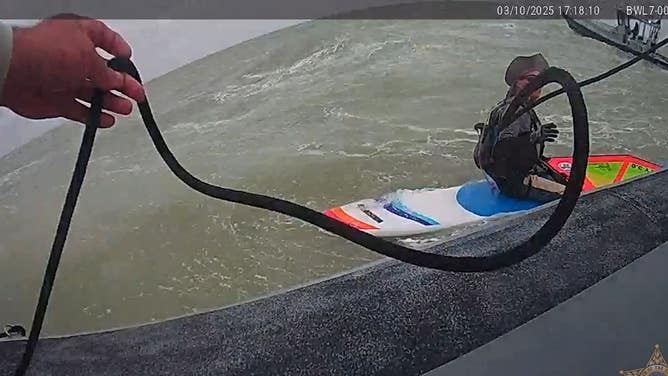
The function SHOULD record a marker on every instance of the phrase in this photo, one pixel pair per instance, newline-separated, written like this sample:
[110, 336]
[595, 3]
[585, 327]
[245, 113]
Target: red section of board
[341, 216]
[621, 172]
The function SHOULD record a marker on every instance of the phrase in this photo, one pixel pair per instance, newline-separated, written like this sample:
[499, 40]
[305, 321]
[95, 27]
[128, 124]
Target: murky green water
[323, 113]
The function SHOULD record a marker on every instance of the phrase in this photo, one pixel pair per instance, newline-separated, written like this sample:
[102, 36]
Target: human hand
[546, 133]
[55, 62]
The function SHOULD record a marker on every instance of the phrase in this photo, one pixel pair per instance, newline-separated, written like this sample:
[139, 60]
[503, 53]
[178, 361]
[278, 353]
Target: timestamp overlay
[547, 10]
[604, 9]
[337, 9]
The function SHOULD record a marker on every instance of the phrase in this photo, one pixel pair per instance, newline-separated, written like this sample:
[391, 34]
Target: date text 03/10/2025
[548, 10]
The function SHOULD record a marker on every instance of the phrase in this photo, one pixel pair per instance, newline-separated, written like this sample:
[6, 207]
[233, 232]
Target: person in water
[513, 157]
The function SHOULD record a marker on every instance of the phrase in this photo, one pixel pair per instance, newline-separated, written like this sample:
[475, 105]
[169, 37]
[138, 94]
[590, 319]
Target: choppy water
[322, 113]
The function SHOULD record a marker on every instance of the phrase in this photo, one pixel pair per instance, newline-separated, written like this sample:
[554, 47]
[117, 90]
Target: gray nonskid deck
[612, 326]
[390, 318]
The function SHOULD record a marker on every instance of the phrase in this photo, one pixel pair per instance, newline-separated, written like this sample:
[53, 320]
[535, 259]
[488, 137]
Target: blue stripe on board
[398, 208]
[481, 199]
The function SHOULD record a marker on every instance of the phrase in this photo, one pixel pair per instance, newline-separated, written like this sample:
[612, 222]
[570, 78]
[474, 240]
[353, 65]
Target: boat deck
[612, 326]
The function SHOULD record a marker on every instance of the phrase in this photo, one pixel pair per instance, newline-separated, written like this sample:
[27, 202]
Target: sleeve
[6, 37]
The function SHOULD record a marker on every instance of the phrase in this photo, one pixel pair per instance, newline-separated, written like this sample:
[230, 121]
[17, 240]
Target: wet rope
[63, 227]
[389, 249]
[384, 247]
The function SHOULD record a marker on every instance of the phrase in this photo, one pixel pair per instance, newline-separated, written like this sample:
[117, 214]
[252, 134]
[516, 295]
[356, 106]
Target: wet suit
[513, 157]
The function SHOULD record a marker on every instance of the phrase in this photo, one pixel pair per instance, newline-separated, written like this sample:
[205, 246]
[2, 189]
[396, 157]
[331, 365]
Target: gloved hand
[545, 133]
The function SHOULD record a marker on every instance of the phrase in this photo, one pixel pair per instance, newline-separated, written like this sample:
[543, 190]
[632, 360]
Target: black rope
[384, 247]
[408, 255]
[63, 228]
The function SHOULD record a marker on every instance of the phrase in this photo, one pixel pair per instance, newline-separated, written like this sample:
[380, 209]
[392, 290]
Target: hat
[523, 64]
